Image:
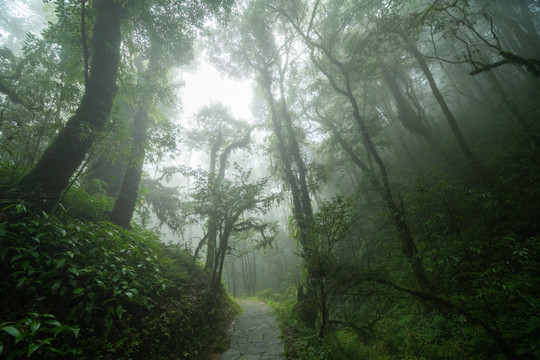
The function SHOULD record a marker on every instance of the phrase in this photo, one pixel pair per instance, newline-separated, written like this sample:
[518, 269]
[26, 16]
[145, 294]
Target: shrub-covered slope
[92, 290]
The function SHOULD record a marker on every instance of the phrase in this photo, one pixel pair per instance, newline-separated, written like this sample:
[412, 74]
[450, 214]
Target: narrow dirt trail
[256, 334]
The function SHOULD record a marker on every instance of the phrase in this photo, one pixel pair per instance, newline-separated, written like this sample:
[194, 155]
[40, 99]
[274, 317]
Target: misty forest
[381, 193]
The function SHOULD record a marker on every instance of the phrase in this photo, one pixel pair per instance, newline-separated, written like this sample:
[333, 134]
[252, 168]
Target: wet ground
[256, 334]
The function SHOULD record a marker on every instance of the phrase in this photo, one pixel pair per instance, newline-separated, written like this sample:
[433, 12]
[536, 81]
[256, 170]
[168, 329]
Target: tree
[45, 182]
[253, 48]
[332, 224]
[218, 130]
[339, 75]
[235, 207]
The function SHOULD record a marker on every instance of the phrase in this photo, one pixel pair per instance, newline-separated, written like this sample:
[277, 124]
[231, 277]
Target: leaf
[32, 347]
[1, 347]
[11, 330]
[75, 331]
[78, 290]
[53, 322]
[119, 311]
[35, 325]
[56, 284]
[57, 330]
[60, 262]
[20, 282]
[17, 257]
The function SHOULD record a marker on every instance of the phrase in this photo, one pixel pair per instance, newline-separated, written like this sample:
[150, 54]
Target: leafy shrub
[122, 292]
[78, 203]
[37, 332]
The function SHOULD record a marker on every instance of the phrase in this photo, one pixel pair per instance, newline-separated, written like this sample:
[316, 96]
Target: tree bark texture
[44, 183]
[124, 206]
[125, 203]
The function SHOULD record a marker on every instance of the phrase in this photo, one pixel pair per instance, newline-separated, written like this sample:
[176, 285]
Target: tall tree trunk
[234, 279]
[448, 113]
[45, 182]
[125, 203]
[285, 158]
[527, 133]
[407, 116]
[215, 261]
[212, 218]
[300, 196]
[220, 259]
[395, 211]
[124, 206]
[295, 151]
[217, 266]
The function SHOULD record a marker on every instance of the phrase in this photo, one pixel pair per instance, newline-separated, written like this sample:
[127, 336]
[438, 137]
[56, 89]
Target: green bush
[98, 290]
[78, 203]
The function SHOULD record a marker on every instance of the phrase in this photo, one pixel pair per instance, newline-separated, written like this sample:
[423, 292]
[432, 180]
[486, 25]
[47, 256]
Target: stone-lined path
[256, 334]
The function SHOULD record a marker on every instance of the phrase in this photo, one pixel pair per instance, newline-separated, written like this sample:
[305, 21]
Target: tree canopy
[383, 194]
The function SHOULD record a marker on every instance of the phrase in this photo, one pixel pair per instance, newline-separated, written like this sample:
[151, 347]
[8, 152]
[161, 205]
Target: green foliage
[37, 332]
[300, 342]
[129, 296]
[78, 203]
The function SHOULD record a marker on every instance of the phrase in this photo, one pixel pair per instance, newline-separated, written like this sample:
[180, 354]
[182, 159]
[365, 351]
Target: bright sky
[206, 84]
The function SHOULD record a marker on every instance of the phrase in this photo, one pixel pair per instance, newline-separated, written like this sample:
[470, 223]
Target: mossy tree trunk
[44, 184]
[289, 154]
[125, 203]
[124, 206]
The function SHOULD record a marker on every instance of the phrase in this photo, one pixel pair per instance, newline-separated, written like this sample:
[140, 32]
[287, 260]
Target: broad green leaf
[60, 262]
[12, 331]
[35, 325]
[31, 348]
[17, 257]
[57, 330]
[78, 290]
[53, 322]
[119, 311]
[20, 282]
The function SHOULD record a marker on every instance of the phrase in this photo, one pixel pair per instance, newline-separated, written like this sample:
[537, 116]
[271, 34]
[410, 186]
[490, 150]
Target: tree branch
[83, 41]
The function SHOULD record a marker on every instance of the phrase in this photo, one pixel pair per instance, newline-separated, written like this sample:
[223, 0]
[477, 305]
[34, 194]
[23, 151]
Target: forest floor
[256, 334]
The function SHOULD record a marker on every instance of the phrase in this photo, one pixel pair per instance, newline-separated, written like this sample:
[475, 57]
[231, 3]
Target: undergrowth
[401, 334]
[91, 290]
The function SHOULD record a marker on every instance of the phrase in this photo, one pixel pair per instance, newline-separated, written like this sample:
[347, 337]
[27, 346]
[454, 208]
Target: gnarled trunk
[45, 182]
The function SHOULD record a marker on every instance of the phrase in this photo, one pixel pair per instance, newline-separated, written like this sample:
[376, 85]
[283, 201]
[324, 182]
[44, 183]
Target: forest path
[256, 334]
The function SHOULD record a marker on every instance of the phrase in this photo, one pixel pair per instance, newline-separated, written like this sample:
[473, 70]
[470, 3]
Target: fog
[370, 166]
